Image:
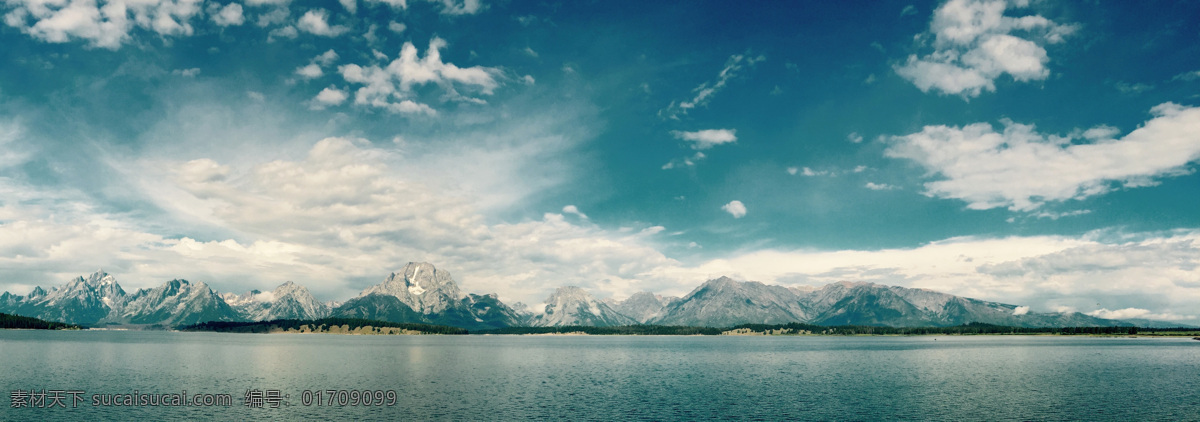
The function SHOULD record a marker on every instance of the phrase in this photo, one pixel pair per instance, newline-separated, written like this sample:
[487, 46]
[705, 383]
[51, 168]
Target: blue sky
[1038, 153]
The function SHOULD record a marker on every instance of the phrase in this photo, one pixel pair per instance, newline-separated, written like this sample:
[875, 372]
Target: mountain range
[421, 293]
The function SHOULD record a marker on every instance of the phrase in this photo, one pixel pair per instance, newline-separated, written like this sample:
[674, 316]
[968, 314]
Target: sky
[1037, 153]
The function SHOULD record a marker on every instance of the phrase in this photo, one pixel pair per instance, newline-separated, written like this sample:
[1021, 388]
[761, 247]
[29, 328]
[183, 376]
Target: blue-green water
[614, 377]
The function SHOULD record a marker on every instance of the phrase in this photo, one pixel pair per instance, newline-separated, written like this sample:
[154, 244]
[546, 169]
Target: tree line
[17, 321]
[318, 325]
[969, 328]
[646, 330]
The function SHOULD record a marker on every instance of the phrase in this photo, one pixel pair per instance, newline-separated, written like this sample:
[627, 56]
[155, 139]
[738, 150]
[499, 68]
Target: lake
[604, 377]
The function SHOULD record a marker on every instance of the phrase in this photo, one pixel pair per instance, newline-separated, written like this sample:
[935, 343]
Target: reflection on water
[611, 377]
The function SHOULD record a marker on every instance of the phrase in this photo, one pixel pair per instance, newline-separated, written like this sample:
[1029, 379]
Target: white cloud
[685, 161]
[1021, 310]
[653, 230]
[460, 7]
[528, 80]
[793, 170]
[529, 51]
[327, 58]
[974, 45]
[879, 186]
[859, 169]
[397, 27]
[1138, 313]
[337, 219]
[854, 138]
[288, 32]
[705, 139]
[316, 22]
[350, 5]
[704, 92]
[571, 209]
[258, 3]
[735, 208]
[105, 26]
[1022, 169]
[811, 173]
[1132, 88]
[311, 71]
[187, 73]
[275, 16]
[448, 7]
[1058, 215]
[330, 96]
[1187, 76]
[351, 208]
[230, 15]
[390, 87]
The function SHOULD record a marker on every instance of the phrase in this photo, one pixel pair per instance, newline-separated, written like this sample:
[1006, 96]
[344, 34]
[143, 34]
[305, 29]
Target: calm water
[616, 378]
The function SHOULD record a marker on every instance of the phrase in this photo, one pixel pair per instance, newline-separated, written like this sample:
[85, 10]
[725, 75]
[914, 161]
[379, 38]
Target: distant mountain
[847, 303]
[575, 306]
[424, 294]
[379, 307]
[643, 306]
[421, 293]
[490, 312]
[176, 302]
[724, 302]
[288, 301]
[80, 301]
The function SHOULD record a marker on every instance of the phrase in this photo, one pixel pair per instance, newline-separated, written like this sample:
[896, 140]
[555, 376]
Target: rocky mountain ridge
[419, 292]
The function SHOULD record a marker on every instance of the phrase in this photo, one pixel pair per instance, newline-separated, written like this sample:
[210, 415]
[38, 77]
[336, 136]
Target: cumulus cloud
[1022, 169]
[310, 71]
[351, 6]
[316, 22]
[703, 93]
[230, 15]
[1021, 310]
[974, 43]
[705, 139]
[107, 25]
[288, 32]
[735, 208]
[390, 87]
[327, 58]
[313, 69]
[879, 186]
[330, 96]
[571, 209]
[854, 138]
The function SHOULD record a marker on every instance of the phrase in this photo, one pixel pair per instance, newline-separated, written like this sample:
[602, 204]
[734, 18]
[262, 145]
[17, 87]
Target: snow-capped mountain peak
[574, 306]
[421, 286]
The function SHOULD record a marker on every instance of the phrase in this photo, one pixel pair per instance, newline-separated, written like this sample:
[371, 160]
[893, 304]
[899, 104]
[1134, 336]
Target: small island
[17, 322]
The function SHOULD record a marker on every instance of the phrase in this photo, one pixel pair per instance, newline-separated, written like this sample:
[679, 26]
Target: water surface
[616, 377]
